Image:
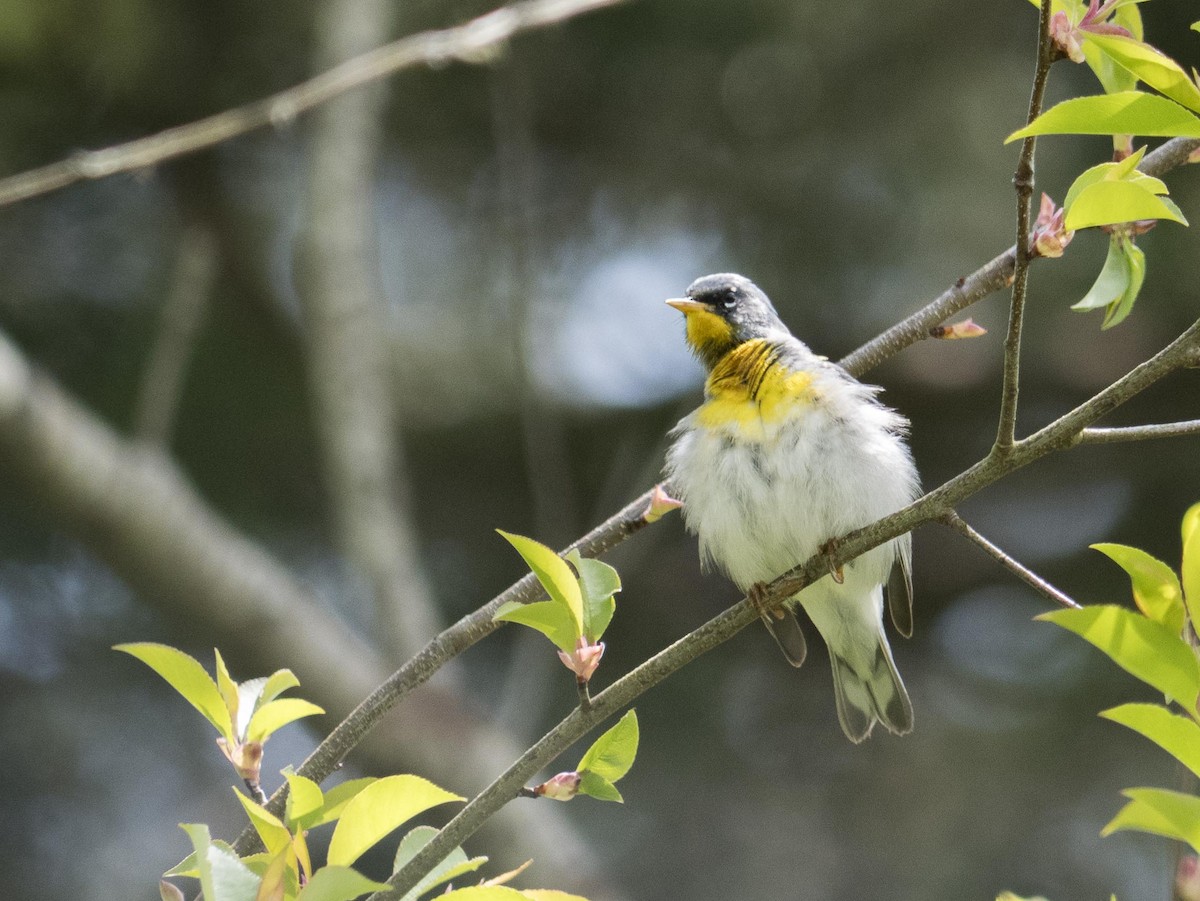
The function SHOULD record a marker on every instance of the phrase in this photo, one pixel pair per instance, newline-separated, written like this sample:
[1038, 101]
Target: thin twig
[473, 42]
[1139, 432]
[1023, 183]
[987, 280]
[1026, 575]
[934, 505]
[180, 321]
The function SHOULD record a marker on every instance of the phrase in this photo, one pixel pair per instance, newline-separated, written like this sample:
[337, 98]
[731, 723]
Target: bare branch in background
[1026, 575]
[473, 42]
[1140, 432]
[346, 328]
[180, 322]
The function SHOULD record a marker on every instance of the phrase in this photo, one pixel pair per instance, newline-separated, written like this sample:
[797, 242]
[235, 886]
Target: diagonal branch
[473, 42]
[1139, 432]
[1023, 182]
[1026, 575]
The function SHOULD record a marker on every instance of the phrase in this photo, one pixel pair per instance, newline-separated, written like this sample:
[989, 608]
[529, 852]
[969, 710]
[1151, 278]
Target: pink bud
[1187, 878]
[246, 757]
[967, 328]
[584, 659]
[1064, 37]
[661, 504]
[1050, 239]
[562, 787]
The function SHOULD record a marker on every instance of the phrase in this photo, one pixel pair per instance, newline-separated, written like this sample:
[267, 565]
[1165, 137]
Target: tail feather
[867, 698]
[785, 629]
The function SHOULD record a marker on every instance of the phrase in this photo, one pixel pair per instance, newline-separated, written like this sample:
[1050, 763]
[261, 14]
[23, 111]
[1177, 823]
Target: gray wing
[899, 596]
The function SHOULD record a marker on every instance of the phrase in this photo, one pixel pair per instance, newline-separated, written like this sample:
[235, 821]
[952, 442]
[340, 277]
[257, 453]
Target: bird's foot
[829, 549]
[758, 600]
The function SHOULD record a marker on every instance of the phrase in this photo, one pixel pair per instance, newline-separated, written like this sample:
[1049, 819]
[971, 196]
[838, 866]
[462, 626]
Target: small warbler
[787, 452]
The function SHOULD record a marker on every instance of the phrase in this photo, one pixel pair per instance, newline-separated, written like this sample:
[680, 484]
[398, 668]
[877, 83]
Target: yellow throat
[751, 389]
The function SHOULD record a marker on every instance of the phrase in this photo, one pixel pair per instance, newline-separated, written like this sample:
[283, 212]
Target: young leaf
[305, 800]
[276, 684]
[1127, 112]
[1178, 735]
[612, 754]
[1161, 812]
[452, 866]
[598, 582]
[377, 810]
[1135, 261]
[274, 834]
[338, 797]
[1140, 646]
[276, 714]
[1112, 202]
[1111, 284]
[338, 884]
[222, 876]
[186, 676]
[554, 574]
[548, 617]
[1155, 586]
[274, 879]
[599, 788]
[550, 894]
[228, 688]
[1190, 532]
[1156, 69]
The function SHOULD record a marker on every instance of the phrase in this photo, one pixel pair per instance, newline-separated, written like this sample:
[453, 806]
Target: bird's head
[723, 311]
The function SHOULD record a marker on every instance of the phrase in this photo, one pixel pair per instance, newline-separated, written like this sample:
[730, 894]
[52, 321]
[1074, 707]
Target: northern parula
[787, 452]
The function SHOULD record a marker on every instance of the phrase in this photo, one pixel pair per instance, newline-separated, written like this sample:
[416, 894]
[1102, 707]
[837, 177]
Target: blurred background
[370, 336]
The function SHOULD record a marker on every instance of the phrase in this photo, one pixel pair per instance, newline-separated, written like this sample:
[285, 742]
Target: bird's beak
[686, 305]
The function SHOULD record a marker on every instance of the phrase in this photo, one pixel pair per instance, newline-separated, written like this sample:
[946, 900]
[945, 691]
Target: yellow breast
[751, 390]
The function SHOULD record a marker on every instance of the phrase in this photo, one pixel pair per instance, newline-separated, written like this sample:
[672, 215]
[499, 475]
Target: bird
[787, 452]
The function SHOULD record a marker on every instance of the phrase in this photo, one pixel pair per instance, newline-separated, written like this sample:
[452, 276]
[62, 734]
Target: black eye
[729, 303]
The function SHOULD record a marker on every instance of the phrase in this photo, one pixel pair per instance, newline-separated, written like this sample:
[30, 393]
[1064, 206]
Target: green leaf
[1156, 588]
[185, 674]
[276, 684]
[222, 876]
[1161, 812]
[612, 754]
[1196, 26]
[598, 787]
[1178, 735]
[188, 867]
[338, 797]
[554, 574]
[378, 809]
[305, 801]
[1156, 69]
[1127, 112]
[548, 617]
[338, 884]
[550, 894]
[450, 867]
[274, 834]
[275, 714]
[1112, 202]
[598, 582]
[1140, 646]
[1135, 260]
[1190, 533]
[1112, 283]
[227, 687]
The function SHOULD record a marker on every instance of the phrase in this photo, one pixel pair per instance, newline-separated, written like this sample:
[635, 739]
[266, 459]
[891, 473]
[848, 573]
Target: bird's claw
[758, 600]
[836, 571]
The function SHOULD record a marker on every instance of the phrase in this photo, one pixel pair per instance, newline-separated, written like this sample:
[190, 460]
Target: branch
[1023, 182]
[1026, 575]
[345, 319]
[1139, 432]
[180, 320]
[934, 505]
[473, 42]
